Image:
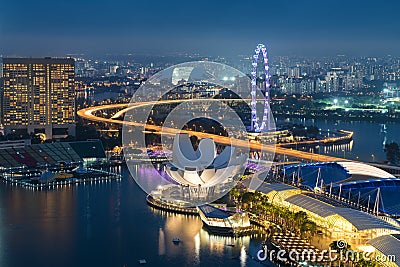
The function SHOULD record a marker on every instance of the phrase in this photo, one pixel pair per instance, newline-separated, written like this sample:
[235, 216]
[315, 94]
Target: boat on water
[142, 261]
[223, 222]
[117, 159]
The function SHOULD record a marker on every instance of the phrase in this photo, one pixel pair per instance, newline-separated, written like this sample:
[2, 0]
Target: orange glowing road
[87, 113]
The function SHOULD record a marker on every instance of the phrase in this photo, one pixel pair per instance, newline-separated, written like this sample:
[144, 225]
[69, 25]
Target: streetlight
[373, 157]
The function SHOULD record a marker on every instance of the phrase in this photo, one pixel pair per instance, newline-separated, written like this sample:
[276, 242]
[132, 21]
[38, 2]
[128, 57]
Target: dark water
[368, 139]
[90, 95]
[106, 224]
[100, 96]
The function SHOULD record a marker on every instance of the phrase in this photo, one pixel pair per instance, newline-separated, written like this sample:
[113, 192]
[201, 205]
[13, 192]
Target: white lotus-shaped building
[203, 169]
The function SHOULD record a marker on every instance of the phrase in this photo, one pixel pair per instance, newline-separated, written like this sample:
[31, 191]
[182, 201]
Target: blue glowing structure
[266, 120]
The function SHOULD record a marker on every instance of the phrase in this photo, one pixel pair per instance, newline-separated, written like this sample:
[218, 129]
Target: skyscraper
[39, 96]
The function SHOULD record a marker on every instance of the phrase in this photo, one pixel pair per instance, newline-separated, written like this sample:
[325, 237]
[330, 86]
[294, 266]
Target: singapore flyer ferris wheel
[265, 124]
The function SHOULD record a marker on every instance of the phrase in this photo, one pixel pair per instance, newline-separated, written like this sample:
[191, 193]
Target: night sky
[225, 28]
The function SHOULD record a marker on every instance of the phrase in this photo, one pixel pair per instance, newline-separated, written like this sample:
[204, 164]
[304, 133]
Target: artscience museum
[200, 175]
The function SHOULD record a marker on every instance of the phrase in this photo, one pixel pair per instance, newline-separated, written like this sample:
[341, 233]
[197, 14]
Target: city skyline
[223, 28]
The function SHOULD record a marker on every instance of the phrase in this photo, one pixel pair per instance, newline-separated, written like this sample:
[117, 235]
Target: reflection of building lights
[197, 246]
[243, 256]
[161, 242]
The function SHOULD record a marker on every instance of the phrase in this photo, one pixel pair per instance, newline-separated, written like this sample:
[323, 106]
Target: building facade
[39, 96]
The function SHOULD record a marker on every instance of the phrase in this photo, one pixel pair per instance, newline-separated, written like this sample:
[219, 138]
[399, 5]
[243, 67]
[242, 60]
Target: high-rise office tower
[39, 96]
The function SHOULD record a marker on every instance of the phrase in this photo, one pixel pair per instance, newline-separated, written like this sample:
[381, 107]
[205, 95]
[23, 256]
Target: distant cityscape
[291, 75]
[332, 84]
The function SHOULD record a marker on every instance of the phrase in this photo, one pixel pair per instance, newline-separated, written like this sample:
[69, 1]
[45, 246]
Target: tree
[247, 197]
[392, 153]
[37, 138]
[308, 227]
[235, 193]
[338, 245]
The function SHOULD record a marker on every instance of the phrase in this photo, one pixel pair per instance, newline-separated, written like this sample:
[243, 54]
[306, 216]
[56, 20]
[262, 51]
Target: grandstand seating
[50, 153]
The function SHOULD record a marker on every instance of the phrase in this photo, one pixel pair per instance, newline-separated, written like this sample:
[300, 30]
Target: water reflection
[197, 244]
[161, 242]
[106, 224]
[368, 140]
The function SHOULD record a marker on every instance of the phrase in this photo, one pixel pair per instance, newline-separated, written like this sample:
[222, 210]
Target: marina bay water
[107, 224]
[368, 139]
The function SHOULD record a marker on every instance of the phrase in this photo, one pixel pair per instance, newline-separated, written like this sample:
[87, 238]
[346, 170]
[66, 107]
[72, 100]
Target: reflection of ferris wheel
[266, 120]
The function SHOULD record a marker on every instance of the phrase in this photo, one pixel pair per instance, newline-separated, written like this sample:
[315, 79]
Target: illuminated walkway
[88, 113]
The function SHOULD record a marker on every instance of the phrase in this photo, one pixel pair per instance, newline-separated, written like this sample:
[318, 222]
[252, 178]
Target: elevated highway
[88, 113]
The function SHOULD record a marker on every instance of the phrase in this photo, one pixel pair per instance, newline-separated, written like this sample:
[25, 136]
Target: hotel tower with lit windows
[39, 96]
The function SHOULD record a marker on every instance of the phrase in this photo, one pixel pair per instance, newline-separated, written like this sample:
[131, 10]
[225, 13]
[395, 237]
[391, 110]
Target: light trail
[87, 113]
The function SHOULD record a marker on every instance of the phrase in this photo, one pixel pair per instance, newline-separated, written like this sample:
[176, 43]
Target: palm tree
[248, 199]
[309, 227]
[234, 193]
[300, 218]
[342, 248]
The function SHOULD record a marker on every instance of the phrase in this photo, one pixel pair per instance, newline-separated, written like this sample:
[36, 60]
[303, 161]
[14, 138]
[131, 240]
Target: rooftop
[360, 220]
[89, 149]
[362, 169]
[46, 60]
[50, 153]
[388, 245]
[213, 212]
